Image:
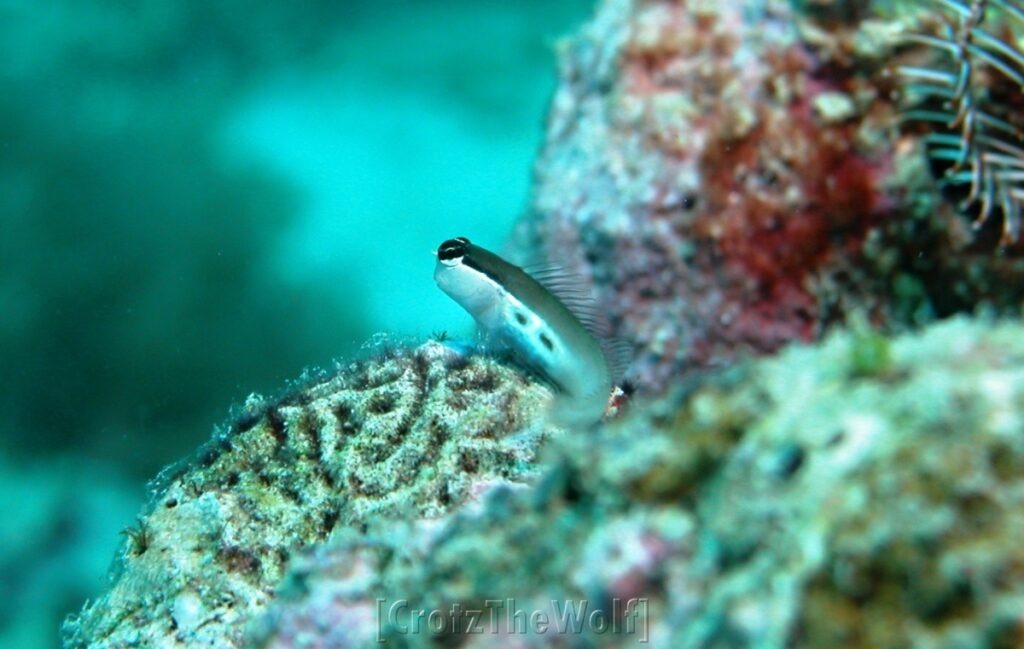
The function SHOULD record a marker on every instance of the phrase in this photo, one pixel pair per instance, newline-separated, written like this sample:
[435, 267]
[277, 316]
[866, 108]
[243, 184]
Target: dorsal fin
[618, 354]
[572, 290]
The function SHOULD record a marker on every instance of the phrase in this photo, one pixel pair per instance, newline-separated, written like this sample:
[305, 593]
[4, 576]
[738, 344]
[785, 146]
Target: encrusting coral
[865, 493]
[732, 176]
[411, 432]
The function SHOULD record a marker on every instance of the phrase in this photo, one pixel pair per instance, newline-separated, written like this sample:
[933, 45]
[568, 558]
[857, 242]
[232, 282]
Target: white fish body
[556, 336]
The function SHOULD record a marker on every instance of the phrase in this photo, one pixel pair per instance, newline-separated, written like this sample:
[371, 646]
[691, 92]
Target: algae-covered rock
[736, 175]
[811, 500]
[410, 432]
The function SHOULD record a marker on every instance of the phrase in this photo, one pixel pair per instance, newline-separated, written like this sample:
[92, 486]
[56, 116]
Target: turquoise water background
[199, 200]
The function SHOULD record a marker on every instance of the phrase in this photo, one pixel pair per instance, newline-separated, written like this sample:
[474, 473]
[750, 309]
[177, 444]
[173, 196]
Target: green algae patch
[869, 355]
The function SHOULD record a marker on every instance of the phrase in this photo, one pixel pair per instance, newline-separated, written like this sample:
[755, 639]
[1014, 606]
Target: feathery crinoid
[971, 94]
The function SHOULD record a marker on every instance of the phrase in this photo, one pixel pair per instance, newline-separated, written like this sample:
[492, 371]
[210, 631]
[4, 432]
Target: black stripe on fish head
[474, 263]
[453, 249]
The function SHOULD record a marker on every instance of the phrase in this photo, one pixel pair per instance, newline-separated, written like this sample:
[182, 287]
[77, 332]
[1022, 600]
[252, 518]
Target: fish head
[452, 251]
[463, 280]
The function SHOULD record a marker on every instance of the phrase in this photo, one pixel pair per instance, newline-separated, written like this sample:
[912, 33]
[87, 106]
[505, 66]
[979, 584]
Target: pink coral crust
[696, 157]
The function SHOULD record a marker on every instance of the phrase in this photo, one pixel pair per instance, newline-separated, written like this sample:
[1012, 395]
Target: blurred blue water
[381, 191]
[198, 200]
[404, 137]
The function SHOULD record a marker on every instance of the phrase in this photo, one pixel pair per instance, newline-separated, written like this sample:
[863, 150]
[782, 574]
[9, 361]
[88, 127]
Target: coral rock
[412, 433]
[818, 499]
[731, 178]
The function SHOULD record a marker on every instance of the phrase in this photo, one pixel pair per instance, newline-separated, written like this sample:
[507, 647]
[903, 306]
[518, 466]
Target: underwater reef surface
[736, 179]
[735, 175]
[863, 492]
[410, 433]
[867, 492]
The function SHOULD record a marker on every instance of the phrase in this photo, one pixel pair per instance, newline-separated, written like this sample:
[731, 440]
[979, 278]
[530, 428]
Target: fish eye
[452, 249]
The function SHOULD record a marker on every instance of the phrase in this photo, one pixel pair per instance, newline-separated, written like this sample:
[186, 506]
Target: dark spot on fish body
[547, 342]
[521, 318]
[342, 412]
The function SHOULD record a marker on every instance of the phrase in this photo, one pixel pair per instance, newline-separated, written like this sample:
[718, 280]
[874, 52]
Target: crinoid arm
[970, 93]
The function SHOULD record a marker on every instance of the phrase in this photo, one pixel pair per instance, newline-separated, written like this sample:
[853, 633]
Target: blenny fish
[545, 318]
